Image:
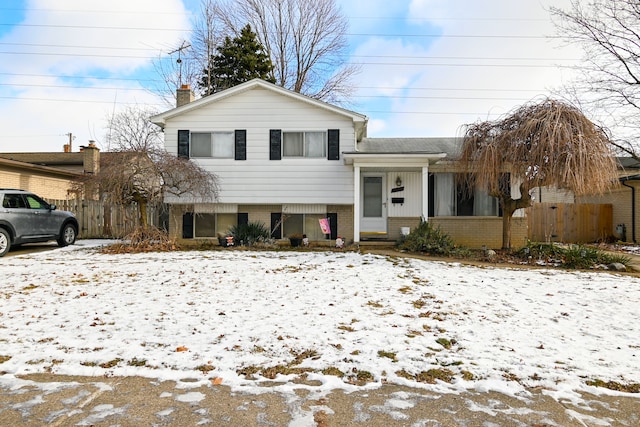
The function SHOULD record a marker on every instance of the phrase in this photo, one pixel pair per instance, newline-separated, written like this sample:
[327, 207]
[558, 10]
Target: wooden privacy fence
[569, 222]
[100, 220]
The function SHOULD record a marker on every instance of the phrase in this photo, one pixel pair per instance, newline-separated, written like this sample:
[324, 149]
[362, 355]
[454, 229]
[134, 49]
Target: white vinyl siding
[411, 194]
[215, 208]
[258, 180]
[295, 209]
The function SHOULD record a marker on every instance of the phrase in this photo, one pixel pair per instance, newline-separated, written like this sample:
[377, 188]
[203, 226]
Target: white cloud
[58, 44]
[492, 56]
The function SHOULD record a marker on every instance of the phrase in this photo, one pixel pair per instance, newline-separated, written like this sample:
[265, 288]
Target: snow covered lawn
[323, 320]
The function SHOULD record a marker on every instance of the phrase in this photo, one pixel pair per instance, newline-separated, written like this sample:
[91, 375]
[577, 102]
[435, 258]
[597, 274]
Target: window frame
[305, 146]
[304, 220]
[230, 145]
[216, 224]
[463, 202]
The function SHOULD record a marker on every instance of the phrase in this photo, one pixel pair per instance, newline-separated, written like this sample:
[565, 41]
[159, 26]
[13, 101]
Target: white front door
[374, 204]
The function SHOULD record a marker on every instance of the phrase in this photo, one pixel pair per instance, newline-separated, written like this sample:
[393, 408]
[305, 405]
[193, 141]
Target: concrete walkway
[50, 400]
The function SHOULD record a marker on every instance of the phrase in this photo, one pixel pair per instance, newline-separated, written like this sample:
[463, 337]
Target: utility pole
[71, 138]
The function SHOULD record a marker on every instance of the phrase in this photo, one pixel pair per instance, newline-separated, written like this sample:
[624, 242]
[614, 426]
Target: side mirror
[52, 207]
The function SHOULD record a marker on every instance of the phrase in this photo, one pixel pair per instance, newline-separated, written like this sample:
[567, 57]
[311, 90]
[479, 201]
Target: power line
[92, 27]
[395, 64]
[62, 76]
[77, 46]
[479, 58]
[87, 101]
[376, 18]
[435, 35]
[72, 87]
[74, 54]
[117, 12]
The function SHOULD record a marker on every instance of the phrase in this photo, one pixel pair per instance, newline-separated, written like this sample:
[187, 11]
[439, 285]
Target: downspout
[633, 208]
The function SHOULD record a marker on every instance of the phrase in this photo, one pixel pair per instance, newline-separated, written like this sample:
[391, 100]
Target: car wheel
[68, 235]
[5, 242]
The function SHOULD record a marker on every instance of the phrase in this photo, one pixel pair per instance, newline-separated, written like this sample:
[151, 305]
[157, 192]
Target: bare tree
[609, 82]
[177, 67]
[550, 143]
[130, 130]
[140, 171]
[186, 63]
[208, 33]
[306, 41]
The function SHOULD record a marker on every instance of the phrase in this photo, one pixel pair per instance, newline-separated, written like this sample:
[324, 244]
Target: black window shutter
[275, 144]
[183, 144]
[333, 224]
[241, 144]
[333, 144]
[276, 225]
[243, 218]
[187, 225]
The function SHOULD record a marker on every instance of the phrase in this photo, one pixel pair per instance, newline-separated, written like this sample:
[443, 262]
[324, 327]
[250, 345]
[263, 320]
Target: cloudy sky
[427, 66]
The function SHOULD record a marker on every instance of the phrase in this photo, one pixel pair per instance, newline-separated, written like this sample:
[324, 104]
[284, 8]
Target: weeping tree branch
[139, 170]
[549, 143]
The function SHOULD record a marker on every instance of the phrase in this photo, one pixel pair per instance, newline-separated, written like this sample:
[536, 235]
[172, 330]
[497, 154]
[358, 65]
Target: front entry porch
[390, 193]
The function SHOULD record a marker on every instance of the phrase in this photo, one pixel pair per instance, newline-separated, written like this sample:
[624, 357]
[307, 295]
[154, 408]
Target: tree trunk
[509, 206]
[142, 205]
[142, 209]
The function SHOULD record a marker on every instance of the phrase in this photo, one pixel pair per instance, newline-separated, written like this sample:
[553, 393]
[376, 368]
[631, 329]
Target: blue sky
[427, 66]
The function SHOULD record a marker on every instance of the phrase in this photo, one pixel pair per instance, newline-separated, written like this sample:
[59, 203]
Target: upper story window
[218, 145]
[304, 144]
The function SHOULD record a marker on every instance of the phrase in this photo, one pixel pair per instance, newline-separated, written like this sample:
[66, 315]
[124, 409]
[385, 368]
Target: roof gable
[160, 119]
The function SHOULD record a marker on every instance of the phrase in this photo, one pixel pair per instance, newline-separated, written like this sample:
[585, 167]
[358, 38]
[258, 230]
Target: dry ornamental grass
[143, 239]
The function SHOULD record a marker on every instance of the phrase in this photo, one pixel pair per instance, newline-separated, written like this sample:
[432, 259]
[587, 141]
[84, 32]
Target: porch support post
[356, 204]
[425, 192]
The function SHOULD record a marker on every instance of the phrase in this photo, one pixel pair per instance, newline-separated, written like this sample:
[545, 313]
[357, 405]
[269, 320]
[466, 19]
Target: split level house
[287, 161]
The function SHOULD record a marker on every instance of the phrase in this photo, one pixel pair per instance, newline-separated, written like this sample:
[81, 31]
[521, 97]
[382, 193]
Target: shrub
[543, 251]
[426, 238]
[578, 256]
[574, 256]
[143, 239]
[250, 233]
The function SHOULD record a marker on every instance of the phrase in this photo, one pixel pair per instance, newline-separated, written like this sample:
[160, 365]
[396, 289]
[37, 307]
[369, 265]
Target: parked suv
[26, 218]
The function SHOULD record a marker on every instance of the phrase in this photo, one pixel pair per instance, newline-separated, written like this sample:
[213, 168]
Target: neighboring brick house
[49, 175]
[50, 183]
[625, 200]
[281, 155]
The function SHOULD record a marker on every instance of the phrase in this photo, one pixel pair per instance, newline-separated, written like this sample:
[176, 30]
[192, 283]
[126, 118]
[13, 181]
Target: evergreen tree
[236, 61]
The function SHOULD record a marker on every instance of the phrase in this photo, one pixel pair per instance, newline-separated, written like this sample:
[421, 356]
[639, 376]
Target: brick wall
[262, 214]
[43, 185]
[476, 232]
[395, 223]
[620, 199]
[345, 220]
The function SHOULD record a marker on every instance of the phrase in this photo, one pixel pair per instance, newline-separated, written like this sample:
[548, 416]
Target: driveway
[31, 248]
[51, 400]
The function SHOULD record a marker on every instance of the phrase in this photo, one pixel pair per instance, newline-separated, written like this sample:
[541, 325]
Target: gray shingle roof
[449, 146]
